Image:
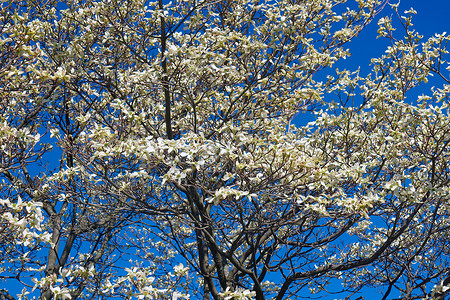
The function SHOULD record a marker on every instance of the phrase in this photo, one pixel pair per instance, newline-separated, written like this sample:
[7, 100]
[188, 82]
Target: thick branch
[165, 77]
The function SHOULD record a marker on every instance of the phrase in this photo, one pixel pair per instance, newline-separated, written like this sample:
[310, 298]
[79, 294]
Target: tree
[150, 150]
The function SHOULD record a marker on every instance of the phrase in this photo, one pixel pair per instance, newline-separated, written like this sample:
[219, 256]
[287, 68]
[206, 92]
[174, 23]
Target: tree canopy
[152, 150]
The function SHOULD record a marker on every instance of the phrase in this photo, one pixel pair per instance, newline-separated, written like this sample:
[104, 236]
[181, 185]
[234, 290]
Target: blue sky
[432, 17]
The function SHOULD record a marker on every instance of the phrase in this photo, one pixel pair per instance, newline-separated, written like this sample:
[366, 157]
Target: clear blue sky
[432, 17]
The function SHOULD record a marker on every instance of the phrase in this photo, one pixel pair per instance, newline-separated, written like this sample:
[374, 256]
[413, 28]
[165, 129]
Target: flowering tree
[149, 150]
